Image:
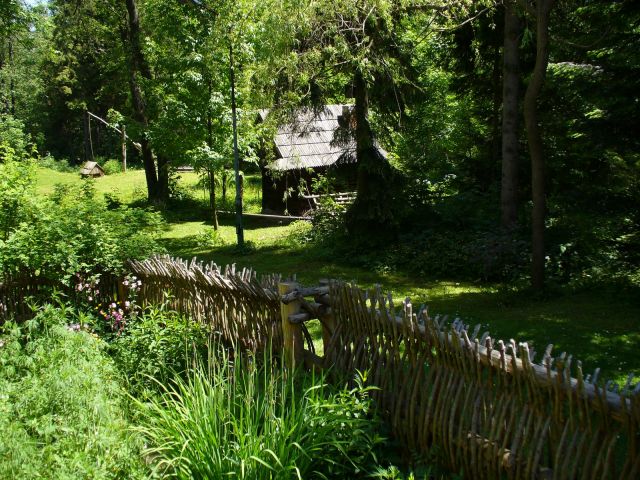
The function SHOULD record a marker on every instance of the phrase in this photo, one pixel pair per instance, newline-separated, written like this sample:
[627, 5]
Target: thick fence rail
[488, 406]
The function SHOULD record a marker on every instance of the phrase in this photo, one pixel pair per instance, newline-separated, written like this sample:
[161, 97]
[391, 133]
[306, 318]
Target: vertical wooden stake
[328, 322]
[124, 149]
[86, 126]
[291, 333]
[328, 327]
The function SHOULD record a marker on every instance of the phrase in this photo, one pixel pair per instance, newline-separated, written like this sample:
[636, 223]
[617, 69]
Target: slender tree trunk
[510, 100]
[87, 145]
[138, 66]
[534, 139]
[163, 179]
[236, 155]
[212, 178]
[224, 179]
[494, 153]
[3, 97]
[12, 84]
[124, 148]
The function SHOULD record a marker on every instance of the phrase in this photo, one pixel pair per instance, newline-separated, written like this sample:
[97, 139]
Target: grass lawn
[600, 328]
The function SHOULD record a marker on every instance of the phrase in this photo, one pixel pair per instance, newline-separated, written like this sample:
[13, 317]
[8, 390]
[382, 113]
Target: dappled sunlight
[596, 329]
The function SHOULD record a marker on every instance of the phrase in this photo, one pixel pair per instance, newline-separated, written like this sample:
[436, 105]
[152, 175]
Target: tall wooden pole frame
[124, 148]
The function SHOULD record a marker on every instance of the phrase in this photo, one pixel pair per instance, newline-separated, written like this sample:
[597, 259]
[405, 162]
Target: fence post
[291, 333]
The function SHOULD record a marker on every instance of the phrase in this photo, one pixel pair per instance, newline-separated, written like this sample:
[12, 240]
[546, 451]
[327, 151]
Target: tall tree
[157, 182]
[510, 114]
[534, 140]
[353, 44]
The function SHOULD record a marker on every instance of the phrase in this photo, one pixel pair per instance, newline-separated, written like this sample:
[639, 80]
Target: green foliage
[156, 346]
[111, 167]
[61, 404]
[299, 233]
[248, 418]
[12, 135]
[72, 231]
[16, 190]
[61, 165]
[209, 238]
[328, 222]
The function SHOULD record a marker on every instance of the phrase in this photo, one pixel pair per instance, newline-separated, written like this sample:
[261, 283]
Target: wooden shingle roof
[307, 141]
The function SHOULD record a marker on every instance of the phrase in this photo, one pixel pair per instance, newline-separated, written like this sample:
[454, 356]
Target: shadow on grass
[585, 325]
[600, 330]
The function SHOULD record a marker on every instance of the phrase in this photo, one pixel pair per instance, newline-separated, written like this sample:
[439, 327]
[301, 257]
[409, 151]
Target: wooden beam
[293, 340]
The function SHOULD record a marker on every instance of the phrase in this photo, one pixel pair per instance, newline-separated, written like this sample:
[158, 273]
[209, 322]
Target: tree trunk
[494, 149]
[510, 98]
[3, 97]
[86, 135]
[138, 66]
[212, 178]
[224, 179]
[163, 179]
[124, 148]
[236, 155]
[370, 218]
[534, 139]
[12, 84]
[364, 136]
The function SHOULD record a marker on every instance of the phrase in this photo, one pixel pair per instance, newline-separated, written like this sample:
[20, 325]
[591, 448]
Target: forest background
[511, 126]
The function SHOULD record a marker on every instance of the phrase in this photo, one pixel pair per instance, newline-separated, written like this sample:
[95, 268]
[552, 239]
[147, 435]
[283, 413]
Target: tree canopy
[509, 125]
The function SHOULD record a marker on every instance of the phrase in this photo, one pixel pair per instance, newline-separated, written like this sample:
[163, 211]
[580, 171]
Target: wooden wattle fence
[242, 308]
[489, 408]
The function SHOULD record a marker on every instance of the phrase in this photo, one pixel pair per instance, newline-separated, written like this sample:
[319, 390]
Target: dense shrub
[209, 238]
[61, 404]
[474, 255]
[16, 190]
[328, 222]
[72, 231]
[249, 419]
[156, 346]
[62, 165]
[111, 167]
[12, 135]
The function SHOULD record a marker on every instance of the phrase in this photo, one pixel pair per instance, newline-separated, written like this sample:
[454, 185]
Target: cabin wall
[275, 186]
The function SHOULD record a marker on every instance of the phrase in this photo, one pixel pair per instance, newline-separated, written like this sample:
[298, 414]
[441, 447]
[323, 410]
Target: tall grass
[245, 419]
[62, 407]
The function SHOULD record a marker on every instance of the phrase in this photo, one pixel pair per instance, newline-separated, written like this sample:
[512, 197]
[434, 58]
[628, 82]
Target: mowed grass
[129, 187]
[600, 328]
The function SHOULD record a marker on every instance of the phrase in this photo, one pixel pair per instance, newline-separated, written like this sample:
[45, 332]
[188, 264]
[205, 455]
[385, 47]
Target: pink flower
[127, 303]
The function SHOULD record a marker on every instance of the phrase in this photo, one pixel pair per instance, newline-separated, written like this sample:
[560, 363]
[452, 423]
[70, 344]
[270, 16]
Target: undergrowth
[62, 407]
[251, 419]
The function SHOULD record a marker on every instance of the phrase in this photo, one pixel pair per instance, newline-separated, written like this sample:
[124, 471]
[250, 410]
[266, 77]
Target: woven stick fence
[244, 309]
[15, 294]
[492, 410]
[488, 406]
